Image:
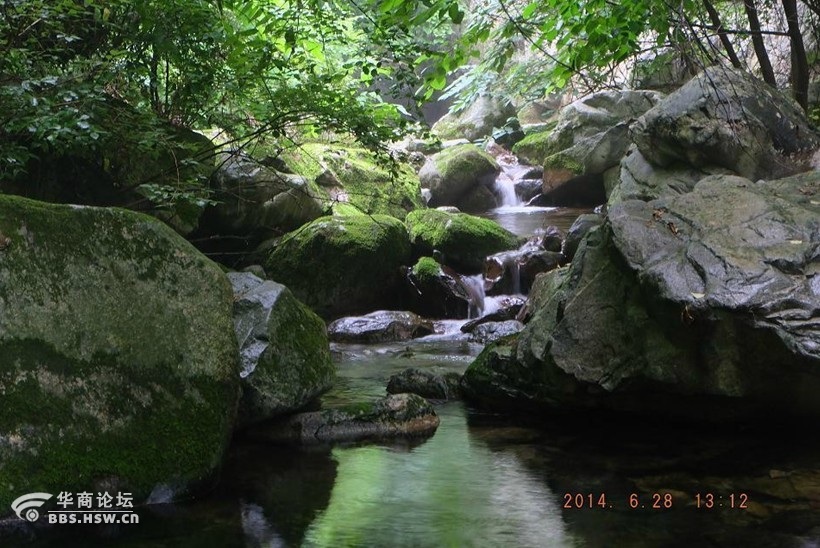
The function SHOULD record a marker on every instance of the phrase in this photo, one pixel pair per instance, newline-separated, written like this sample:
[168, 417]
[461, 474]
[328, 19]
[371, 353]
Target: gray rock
[583, 224]
[592, 136]
[119, 359]
[284, 352]
[426, 384]
[700, 306]
[640, 180]
[435, 291]
[379, 326]
[476, 121]
[492, 331]
[527, 189]
[727, 118]
[258, 202]
[397, 415]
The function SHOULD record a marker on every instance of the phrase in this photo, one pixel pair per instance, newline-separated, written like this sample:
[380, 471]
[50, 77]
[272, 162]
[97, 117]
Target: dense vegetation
[79, 76]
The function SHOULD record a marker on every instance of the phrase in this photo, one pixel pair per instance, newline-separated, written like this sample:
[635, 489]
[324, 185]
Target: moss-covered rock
[119, 366]
[342, 265]
[534, 147]
[353, 178]
[463, 240]
[396, 415]
[284, 350]
[438, 292]
[455, 173]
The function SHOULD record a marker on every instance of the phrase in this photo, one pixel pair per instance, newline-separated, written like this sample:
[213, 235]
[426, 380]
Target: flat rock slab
[426, 384]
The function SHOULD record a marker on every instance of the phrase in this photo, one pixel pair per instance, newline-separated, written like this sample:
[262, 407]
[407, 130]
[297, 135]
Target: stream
[487, 480]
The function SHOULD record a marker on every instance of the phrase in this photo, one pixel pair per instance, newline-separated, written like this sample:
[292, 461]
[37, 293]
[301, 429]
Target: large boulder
[354, 181]
[639, 180]
[476, 121]
[119, 368]
[591, 136]
[702, 306]
[342, 265]
[727, 118]
[460, 176]
[284, 351]
[463, 241]
[378, 327]
[254, 202]
[394, 416]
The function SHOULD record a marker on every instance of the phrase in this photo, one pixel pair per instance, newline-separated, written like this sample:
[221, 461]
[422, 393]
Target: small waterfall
[475, 287]
[504, 184]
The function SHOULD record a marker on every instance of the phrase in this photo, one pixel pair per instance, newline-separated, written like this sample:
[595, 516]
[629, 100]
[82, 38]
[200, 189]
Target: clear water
[486, 480]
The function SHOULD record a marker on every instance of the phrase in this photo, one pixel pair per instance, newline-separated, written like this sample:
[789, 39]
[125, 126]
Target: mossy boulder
[353, 181]
[435, 291]
[342, 266]
[284, 351]
[456, 173]
[535, 146]
[463, 240]
[119, 366]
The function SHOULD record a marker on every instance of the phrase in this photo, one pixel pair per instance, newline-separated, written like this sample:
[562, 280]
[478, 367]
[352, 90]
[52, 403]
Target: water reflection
[450, 491]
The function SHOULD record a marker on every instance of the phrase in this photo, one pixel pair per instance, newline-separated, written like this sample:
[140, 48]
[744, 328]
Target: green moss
[368, 186]
[294, 369]
[463, 240]
[562, 160]
[119, 357]
[426, 269]
[535, 147]
[464, 159]
[341, 265]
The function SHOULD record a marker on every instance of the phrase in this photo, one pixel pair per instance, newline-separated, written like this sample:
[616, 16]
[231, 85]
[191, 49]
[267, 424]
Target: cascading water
[504, 184]
[475, 287]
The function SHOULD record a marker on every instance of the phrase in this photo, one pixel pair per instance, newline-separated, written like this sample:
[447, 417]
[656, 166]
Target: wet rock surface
[727, 118]
[689, 306]
[380, 326]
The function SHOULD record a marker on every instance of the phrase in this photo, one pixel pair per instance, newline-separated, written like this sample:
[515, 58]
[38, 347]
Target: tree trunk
[800, 64]
[757, 41]
[714, 16]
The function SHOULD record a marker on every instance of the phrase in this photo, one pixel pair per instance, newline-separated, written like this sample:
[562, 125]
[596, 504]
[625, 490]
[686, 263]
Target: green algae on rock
[463, 240]
[354, 182]
[342, 265]
[119, 365]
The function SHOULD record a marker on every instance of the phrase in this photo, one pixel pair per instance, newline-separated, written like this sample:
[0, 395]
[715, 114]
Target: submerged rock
[284, 352]
[426, 384]
[342, 265]
[462, 240]
[378, 327]
[396, 415]
[119, 359]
